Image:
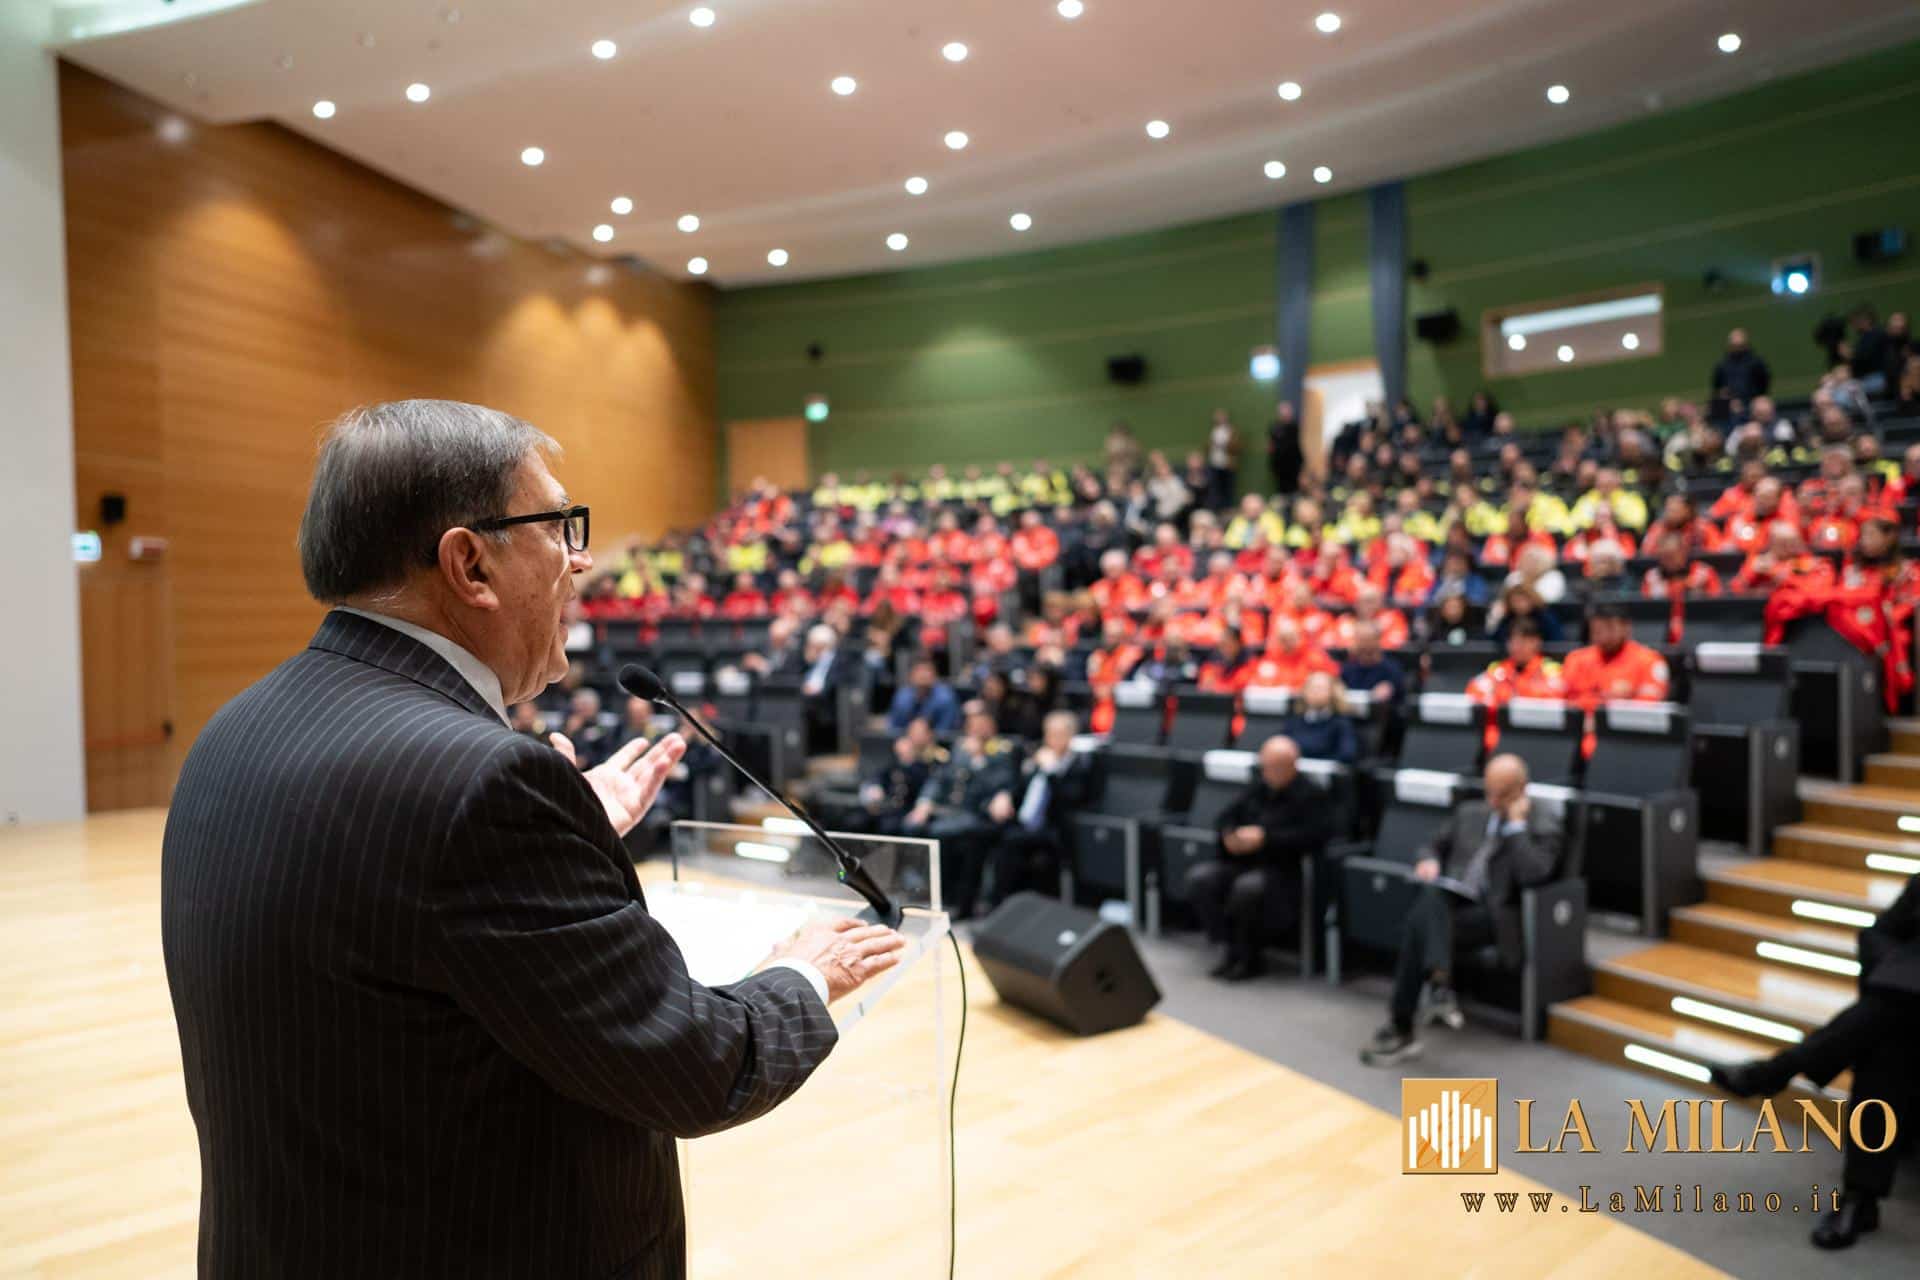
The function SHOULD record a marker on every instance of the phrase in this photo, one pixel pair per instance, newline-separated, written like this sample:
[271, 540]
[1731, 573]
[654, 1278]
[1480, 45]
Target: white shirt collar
[475, 672]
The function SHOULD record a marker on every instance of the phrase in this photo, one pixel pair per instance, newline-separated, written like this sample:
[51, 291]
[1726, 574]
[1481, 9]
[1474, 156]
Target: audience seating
[1545, 733]
[1746, 745]
[1139, 714]
[1201, 721]
[1643, 820]
[1837, 701]
[1105, 858]
[1444, 732]
[1450, 668]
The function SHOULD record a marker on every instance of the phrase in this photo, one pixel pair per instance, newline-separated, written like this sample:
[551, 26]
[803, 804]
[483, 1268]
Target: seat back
[1139, 711]
[1371, 721]
[876, 754]
[1451, 668]
[732, 695]
[1223, 776]
[1735, 684]
[687, 684]
[779, 701]
[1264, 712]
[1201, 721]
[1415, 804]
[1445, 732]
[1136, 781]
[1569, 805]
[1648, 620]
[1337, 780]
[1640, 749]
[1543, 732]
[1723, 620]
[677, 633]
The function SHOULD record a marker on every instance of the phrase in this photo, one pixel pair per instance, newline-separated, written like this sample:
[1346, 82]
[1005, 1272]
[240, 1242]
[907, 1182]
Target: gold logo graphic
[1452, 1126]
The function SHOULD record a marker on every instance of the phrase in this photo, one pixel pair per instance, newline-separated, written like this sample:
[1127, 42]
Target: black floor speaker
[1065, 964]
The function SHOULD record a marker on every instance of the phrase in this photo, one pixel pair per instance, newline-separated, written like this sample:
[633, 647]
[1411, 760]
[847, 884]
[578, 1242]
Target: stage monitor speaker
[1127, 370]
[1065, 964]
[1437, 326]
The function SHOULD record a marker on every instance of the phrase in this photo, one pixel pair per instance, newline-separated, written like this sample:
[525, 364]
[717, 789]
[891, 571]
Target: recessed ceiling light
[1557, 94]
[896, 242]
[533, 157]
[1158, 128]
[1290, 90]
[1274, 169]
[956, 141]
[174, 130]
[603, 233]
[599, 273]
[954, 51]
[1730, 42]
[1516, 342]
[701, 17]
[1565, 353]
[777, 258]
[323, 109]
[696, 266]
[1070, 8]
[916, 186]
[1322, 174]
[689, 222]
[844, 85]
[622, 205]
[604, 49]
[1328, 23]
[1020, 221]
[417, 92]
[1631, 341]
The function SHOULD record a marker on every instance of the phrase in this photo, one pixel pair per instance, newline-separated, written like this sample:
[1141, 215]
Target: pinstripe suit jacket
[427, 1025]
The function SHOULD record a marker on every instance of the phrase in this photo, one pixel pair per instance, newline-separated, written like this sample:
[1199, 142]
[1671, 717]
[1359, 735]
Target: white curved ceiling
[736, 123]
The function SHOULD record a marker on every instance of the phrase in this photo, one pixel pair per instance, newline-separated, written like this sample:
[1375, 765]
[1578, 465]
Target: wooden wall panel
[231, 294]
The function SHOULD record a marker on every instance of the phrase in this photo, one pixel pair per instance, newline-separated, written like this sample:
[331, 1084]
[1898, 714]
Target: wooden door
[775, 448]
[126, 644]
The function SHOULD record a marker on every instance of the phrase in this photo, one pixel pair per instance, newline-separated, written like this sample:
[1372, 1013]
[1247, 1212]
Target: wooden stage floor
[1154, 1152]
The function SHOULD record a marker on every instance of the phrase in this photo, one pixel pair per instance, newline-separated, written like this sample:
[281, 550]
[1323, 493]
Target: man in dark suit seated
[1031, 815]
[927, 697]
[1878, 1039]
[1486, 853]
[886, 800]
[957, 807]
[1278, 818]
[821, 670]
[592, 740]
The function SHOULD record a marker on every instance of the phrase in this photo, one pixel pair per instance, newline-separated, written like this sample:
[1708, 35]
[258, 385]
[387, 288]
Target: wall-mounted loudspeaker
[1127, 370]
[1437, 326]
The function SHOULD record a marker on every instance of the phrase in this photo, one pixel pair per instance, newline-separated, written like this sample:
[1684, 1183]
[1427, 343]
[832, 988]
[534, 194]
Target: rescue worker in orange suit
[1524, 673]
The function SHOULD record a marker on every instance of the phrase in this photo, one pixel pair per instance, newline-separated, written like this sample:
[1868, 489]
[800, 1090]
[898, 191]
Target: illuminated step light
[1688, 1007]
[785, 826]
[1893, 864]
[1831, 914]
[762, 852]
[1908, 822]
[1785, 954]
[1667, 1062]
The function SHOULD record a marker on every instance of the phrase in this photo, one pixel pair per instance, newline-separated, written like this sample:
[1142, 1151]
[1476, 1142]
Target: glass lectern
[849, 1176]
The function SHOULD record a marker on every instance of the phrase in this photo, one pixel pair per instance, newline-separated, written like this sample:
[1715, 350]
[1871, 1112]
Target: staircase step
[1775, 885]
[1601, 1028]
[1894, 769]
[1905, 732]
[1738, 931]
[1847, 847]
[1703, 982]
[827, 766]
[1890, 810]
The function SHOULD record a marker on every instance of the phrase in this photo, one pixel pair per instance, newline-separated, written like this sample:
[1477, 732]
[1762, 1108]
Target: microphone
[642, 683]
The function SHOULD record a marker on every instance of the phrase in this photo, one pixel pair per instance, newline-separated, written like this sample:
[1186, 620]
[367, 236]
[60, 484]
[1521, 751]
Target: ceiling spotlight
[604, 49]
[417, 92]
[916, 186]
[1322, 174]
[954, 51]
[622, 205]
[1730, 42]
[1070, 9]
[603, 233]
[956, 141]
[533, 157]
[777, 258]
[1557, 94]
[1516, 342]
[896, 242]
[174, 130]
[1020, 221]
[1274, 169]
[1158, 129]
[599, 273]
[1565, 353]
[696, 266]
[689, 222]
[701, 17]
[1327, 23]
[843, 85]
[1290, 90]
[323, 110]
[1631, 341]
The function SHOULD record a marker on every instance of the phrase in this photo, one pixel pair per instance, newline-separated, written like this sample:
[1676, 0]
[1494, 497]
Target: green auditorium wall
[1005, 358]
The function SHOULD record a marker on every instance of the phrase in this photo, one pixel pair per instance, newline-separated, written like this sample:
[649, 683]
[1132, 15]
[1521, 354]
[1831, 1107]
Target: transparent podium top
[738, 891]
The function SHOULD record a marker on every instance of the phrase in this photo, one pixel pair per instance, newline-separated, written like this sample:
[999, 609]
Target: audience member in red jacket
[1737, 498]
[1784, 560]
[1837, 524]
[1679, 516]
[1117, 591]
[949, 541]
[1295, 602]
[1368, 606]
[1603, 529]
[890, 590]
[690, 598]
[1166, 545]
[1678, 575]
[835, 591]
[940, 607]
[746, 600]
[1229, 668]
[1615, 667]
[988, 542]
[1290, 659]
[1771, 501]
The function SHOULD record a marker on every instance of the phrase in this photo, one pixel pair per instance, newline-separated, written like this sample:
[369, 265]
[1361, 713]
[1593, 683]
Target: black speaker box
[1065, 964]
[1127, 370]
[1437, 326]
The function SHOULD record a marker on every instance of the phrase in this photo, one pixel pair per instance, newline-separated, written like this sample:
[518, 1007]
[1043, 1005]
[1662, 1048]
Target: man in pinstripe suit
[427, 1025]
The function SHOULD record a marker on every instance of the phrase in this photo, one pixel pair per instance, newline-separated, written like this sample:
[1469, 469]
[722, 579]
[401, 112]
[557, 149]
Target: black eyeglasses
[573, 521]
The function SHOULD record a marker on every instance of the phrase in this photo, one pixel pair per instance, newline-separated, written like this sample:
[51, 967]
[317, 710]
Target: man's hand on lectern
[845, 952]
[628, 782]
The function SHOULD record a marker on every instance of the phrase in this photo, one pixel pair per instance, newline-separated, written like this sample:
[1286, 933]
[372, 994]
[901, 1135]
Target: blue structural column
[1387, 262]
[1294, 275]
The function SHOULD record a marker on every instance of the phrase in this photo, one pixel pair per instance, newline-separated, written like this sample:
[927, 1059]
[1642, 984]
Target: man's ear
[466, 566]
